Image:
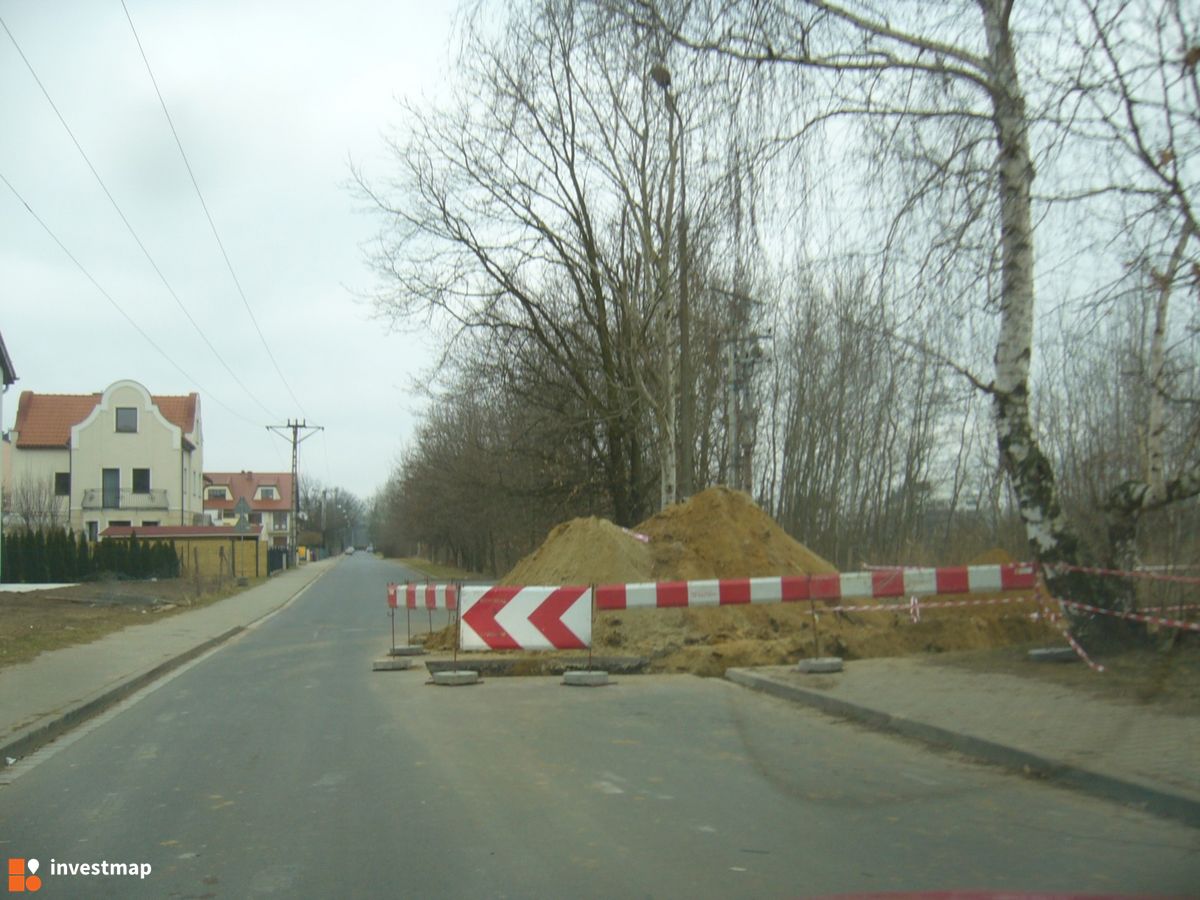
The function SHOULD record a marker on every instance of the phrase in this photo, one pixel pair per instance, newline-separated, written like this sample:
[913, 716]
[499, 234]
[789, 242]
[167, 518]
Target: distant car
[349, 551]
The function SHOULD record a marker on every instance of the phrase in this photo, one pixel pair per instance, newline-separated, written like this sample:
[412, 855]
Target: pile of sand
[585, 551]
[721, 533]
[718, 533]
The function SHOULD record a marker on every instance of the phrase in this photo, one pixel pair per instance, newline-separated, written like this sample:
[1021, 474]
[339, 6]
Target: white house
[121, 457]
[8, 376]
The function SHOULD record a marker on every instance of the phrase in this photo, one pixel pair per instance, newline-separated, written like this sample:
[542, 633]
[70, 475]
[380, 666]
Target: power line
[107, 296]
[120, 213]
[207, 214]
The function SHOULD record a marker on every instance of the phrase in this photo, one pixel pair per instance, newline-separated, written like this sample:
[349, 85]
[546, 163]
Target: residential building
[8, 376]
[267, 494]
[122, 457]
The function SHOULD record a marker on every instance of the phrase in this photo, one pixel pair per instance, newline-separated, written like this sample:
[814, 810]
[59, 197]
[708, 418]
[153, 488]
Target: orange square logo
[18, 881]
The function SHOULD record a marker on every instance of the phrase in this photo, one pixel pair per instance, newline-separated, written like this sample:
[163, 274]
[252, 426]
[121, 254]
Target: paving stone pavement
[1130, 753]
[57, 690]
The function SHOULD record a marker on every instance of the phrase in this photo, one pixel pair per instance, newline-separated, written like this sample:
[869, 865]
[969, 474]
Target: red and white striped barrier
[879, 584]
[526, 618]
[431, 596]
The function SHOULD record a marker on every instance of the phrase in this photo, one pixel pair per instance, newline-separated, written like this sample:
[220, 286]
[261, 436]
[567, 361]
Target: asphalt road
[282, 765]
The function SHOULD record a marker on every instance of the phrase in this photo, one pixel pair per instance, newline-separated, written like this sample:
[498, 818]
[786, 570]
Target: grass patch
[439, 571]
[33, 622]
[1167, 679]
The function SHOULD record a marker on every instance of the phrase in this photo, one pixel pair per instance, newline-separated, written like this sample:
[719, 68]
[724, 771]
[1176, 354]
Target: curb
[40, 735]
[1105, 787]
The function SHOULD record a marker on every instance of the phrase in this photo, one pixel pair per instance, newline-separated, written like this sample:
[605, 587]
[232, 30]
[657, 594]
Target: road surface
[281, 765]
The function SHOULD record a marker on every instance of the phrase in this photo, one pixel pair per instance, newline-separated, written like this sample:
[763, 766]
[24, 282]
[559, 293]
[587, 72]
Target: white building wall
[176, 481]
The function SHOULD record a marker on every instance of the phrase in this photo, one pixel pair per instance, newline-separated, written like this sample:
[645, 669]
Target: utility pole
[295, 427]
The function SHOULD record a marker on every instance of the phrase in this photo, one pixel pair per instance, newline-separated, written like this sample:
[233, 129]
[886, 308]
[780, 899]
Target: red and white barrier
[526, 618]
[431, 596]
[880, 584]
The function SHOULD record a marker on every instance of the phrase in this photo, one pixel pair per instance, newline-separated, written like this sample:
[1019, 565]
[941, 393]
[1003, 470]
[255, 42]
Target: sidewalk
[43, 698]
[1129, 754]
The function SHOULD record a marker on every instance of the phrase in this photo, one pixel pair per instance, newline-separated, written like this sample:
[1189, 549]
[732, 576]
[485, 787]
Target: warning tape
[1066, 632]
[1133, 616]
[914, 605]
[1118, 573]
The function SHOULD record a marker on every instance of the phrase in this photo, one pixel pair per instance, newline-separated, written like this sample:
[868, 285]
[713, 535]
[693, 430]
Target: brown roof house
[267, 494]
[122, 457]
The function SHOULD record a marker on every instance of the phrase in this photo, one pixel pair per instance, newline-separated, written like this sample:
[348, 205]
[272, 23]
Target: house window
[218, 494]
[268, 493]
[123, 523]
[141, 481]
[93, 530]
[127, 419]
[146, 523]
[281, 520]
[62, 484]
[255, 518]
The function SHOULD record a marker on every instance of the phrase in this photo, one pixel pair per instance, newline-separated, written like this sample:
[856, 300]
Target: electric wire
[207, 214]
[120, 213]
[107, 296]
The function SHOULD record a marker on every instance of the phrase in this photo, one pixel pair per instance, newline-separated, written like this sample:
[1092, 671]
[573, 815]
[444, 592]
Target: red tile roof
[246, 484]
[45, 420]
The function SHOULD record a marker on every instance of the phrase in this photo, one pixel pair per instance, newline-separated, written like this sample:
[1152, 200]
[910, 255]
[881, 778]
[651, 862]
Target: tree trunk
[1050, 535]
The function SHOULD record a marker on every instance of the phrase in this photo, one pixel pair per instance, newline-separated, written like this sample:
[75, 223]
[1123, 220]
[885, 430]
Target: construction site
[721, 534]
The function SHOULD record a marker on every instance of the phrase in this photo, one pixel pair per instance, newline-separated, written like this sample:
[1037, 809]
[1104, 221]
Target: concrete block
[820, 665]
[391, 664]
[1053, 654]
[585, 678]
[456, 677]
[407, 651]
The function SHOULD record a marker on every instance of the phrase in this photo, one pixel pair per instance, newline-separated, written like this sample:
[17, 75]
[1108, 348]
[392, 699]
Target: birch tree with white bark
[949, 86]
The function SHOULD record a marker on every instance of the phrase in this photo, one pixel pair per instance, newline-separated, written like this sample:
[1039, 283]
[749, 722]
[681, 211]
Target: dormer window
[127, 419]
[268, 493]
[218, 494]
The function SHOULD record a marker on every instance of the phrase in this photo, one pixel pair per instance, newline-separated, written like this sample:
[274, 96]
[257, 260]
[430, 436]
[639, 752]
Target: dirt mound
[585, 551]
[707, 641]
[720, 533]
[994, 557]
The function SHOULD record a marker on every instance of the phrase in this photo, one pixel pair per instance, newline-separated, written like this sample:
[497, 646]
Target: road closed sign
[526, 618]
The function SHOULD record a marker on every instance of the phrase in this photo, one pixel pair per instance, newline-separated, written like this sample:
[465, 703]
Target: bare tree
[1139, 100]
[948, 81]
[35, 503]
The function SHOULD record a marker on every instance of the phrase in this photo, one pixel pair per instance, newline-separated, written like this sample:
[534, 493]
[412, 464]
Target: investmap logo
[22, 876]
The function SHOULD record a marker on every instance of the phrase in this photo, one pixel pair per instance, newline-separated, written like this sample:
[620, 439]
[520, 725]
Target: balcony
[97, 498]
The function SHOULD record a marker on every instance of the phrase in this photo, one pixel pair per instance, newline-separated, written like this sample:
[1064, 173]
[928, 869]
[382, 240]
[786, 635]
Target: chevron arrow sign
[526, 618]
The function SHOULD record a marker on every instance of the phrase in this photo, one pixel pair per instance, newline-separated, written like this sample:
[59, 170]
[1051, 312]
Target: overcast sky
[270, 99]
